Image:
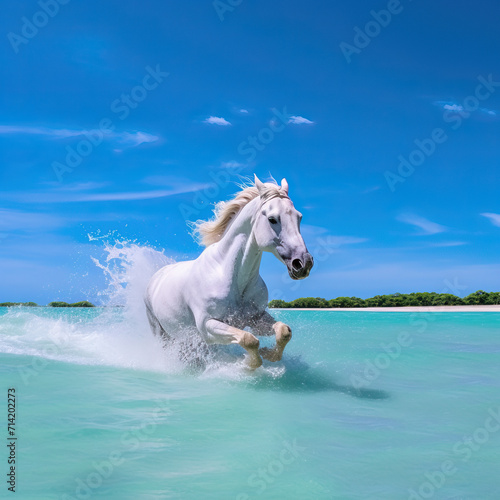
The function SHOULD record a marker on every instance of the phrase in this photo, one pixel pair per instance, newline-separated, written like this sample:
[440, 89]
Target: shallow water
[103, 411]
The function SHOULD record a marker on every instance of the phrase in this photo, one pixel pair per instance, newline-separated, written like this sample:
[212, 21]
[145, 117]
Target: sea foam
[118, 334]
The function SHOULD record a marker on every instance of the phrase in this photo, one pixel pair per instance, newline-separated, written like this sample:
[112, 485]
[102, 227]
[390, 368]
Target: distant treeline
[83, 303]
[395, 300]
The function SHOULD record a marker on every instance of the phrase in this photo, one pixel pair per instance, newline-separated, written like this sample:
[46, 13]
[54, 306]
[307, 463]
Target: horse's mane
[211, 231]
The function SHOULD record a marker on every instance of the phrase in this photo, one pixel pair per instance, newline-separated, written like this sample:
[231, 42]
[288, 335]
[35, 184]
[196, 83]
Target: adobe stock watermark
[223, 6]
[122, 108]
[427, 147]
[374, 368]
[260, 480]
[130, 441]
[372, 29]
[421, 319]
[392, 351]
[39, 363]
[322, 248]
[203, 198]
[463, 450]
[31, 27]
[257, 143]
[249, 148]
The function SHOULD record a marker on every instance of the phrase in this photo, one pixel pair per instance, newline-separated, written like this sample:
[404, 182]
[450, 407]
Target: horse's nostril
[297, 264]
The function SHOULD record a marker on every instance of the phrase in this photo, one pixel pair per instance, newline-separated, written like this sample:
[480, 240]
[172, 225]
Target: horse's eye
[273, 220]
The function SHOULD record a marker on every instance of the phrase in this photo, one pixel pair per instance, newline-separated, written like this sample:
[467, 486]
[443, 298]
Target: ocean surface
[364, 405]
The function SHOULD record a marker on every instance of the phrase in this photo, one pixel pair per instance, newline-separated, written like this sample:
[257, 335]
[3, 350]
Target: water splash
[128, 267]
[112, 335]
[118, 334]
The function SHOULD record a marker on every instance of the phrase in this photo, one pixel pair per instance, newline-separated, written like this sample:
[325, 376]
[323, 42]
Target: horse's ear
[259, 185]
[284, 185]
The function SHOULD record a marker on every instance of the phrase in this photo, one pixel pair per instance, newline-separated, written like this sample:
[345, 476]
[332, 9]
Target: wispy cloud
[338, 241]
[456, 107]
[312, 231]
[491, 112]
[78, 186]
[244, 111]
[494, 218]
[217, 120]
[66, 195]
[17, 221]
[410, 276]
[231, 164]
[174, 182]
[449, 106]
[299, 120]
[317, 235]
[127, 139]
[132, 139]
[56, 133]
[162, 180]
[444, 244]
[370, 190]
[428, 227]
[132, 195]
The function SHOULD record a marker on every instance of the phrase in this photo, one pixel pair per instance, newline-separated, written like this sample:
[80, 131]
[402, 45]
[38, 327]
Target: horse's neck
[239, 248]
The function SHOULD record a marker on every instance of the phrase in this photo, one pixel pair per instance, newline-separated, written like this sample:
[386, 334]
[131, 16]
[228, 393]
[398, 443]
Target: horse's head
[277, 229]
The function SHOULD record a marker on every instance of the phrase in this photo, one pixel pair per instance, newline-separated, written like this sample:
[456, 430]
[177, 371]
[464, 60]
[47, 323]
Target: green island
[422, 299]
[83, 303]
[395, 300]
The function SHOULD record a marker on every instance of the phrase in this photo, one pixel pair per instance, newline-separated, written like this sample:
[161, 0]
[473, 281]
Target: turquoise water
[104, 412]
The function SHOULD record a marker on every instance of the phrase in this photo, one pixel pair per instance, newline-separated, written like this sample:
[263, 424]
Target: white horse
[221, 292]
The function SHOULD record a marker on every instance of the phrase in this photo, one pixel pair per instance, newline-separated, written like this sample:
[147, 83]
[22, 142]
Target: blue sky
[389, 140]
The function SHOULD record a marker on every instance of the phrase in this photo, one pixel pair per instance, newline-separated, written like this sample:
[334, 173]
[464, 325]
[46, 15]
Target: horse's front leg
[222, 333]
[266, 325]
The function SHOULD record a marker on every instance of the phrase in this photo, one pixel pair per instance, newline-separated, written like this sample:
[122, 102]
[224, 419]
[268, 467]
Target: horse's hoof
[253, 363]
[283, 333]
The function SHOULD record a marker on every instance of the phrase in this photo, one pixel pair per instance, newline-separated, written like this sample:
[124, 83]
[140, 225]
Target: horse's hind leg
[155, 324]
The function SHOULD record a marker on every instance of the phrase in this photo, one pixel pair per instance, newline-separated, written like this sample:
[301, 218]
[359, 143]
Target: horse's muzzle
[300, 267]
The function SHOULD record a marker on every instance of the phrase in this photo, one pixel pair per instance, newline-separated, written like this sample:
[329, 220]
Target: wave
[117, 336]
